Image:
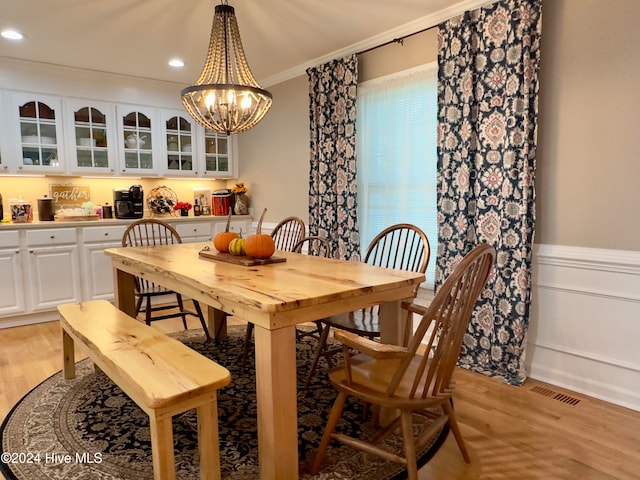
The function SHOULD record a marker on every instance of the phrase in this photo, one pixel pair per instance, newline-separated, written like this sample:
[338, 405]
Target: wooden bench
[163, 376]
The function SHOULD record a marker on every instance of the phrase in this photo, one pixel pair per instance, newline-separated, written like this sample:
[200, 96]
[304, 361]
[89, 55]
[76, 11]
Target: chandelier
[226, 98]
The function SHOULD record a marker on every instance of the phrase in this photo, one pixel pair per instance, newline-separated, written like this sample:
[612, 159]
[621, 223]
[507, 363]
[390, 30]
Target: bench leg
[208, 441]
[162, 448]
[68, 357]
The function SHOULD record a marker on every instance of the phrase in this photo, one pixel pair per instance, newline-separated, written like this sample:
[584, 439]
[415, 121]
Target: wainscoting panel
[585, 324]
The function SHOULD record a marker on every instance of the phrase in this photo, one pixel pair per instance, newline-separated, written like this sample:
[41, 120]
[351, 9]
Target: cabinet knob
[106, 234]
[30, 251]
[52, 237]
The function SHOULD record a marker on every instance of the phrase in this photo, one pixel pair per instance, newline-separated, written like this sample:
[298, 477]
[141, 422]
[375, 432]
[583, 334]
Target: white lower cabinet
[242, 227]
[98, 273]
[194, 231]
[44, 266]
[12, 300]
[53, 275]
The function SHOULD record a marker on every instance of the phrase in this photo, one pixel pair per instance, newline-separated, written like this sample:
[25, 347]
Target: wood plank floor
[511, 432]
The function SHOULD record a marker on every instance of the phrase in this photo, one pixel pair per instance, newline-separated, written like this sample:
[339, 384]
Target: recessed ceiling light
[176, 63]
[12, 35]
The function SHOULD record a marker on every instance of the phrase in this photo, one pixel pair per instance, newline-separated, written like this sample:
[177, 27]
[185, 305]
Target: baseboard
[29, 319]
[585, 322]
[595, 377]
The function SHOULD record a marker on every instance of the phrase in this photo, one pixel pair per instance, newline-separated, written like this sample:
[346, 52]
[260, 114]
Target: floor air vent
[555, 395]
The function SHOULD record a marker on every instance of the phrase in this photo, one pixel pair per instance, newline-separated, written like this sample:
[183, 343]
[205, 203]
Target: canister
[45, 209]
[107, 211]
[221, 202]
[20, 211]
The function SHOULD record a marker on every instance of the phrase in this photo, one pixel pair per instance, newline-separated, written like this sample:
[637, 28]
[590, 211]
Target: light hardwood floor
[511, 432]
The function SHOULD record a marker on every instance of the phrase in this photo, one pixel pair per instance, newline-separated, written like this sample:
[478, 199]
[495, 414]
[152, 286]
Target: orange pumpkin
[259, 245]
[222, 239]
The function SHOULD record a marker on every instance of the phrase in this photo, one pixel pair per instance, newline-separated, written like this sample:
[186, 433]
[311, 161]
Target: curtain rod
[399, 40]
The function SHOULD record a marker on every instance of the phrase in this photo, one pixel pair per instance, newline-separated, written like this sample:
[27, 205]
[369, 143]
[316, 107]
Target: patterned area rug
[88, 428]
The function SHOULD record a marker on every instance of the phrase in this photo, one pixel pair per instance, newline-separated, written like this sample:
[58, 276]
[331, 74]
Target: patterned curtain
[332, 176]
[487, 128]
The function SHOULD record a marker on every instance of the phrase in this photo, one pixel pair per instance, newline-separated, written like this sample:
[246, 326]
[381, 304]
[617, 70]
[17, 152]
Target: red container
[221, 203]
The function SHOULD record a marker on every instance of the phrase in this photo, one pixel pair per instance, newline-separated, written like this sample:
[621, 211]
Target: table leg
[68, 356]
[392, 323]
[125, 292]
[277, 403]
[217, 323]
[392, 327]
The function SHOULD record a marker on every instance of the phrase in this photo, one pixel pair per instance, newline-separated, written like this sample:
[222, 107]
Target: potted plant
[241, 204]
[184, 208]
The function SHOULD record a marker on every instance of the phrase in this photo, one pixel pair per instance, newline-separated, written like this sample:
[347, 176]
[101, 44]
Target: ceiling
[138, 37]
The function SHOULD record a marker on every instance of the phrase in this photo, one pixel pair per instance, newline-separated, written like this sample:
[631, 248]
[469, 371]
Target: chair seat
[154, 290]
[363, 322]
[370, 378]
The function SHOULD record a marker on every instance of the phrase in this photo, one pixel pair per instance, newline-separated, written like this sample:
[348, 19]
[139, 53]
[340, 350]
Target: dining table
[275, 297]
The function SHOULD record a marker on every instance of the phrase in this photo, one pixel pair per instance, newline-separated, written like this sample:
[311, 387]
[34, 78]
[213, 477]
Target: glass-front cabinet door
[180, 149]
[41, 148]
[92, 135]
[218, 157]
[138, 151]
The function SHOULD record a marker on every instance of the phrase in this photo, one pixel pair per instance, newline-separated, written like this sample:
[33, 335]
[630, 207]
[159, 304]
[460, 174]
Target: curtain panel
[487, 127]
[332, 174]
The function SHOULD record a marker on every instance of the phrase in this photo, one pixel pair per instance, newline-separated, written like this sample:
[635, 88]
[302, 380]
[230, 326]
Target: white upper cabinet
[90, 130]
[43, 134]
[139, 144]
[36, 124]
[219, 155]
[180, 146]
[190, 150]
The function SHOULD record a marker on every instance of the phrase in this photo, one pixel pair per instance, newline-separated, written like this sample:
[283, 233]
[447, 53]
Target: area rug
[87, 428]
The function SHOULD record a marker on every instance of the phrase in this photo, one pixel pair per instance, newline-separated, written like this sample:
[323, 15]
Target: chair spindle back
[444, 325]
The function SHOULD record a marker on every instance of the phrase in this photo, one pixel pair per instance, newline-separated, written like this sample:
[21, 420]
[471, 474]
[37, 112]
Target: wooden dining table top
[295, 289]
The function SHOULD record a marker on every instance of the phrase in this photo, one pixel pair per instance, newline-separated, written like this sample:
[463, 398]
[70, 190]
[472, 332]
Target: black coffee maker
[129, 203]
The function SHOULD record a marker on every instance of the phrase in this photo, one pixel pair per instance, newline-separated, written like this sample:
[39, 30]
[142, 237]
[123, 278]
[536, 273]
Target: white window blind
[396, 155]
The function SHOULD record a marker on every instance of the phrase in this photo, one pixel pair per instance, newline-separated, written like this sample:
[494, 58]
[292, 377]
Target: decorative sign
[69, 196]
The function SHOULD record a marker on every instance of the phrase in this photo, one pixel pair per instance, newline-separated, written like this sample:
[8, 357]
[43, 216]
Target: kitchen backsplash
[32, 188]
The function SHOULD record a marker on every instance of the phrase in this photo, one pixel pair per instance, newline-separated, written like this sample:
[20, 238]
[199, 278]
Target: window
[396, 154]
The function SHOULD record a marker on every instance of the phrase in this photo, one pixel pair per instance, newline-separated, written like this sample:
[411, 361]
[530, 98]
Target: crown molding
[417, 25]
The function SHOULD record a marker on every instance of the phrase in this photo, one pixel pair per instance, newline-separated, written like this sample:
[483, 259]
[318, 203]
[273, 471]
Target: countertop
[117, 221]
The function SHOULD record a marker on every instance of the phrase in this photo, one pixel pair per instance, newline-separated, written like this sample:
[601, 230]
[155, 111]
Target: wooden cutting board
[76, 218]
[239, 260]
